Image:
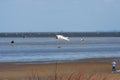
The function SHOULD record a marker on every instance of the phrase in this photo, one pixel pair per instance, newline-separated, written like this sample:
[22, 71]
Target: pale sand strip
[86, 66]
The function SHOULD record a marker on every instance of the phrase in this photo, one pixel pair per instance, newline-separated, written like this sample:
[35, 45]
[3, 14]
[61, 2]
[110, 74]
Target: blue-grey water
[51, 49]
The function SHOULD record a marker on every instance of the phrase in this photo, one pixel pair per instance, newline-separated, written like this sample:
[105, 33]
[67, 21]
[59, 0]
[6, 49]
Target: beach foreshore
[25, 71]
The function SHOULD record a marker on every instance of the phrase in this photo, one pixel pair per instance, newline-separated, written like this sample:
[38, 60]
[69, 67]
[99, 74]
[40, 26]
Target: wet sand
[16, 71]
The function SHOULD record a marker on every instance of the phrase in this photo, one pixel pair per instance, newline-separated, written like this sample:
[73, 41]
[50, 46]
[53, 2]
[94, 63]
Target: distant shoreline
[99, 59]
[53, 34]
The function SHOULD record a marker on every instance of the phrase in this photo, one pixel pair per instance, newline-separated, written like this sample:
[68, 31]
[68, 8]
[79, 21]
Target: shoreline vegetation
[53, 34]
[85, 69]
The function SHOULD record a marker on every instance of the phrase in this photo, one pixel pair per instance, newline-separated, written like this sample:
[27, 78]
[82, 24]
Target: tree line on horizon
[53, 34]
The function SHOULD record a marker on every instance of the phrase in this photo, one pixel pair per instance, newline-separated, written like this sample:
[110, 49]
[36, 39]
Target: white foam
[117, 71]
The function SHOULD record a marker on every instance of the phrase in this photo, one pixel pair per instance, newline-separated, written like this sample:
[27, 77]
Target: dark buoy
[12, 42]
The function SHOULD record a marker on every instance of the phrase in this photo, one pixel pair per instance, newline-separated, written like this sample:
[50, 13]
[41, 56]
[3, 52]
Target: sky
[59, 15]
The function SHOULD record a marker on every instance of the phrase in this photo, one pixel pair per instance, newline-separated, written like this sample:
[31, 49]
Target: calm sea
[50, 49]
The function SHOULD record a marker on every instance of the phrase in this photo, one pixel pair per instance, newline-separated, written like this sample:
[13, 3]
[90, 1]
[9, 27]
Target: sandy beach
[87, 67]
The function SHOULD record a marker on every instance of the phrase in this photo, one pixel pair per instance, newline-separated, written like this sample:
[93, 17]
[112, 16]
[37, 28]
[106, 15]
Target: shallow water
[50, 49]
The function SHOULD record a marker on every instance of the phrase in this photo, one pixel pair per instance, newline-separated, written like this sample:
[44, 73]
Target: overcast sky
[59, 15]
